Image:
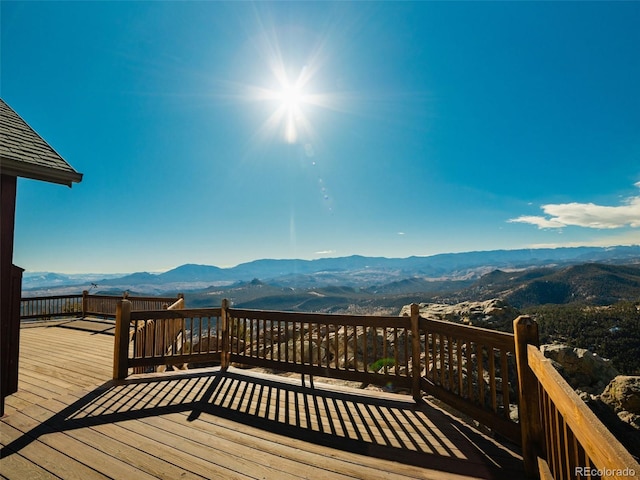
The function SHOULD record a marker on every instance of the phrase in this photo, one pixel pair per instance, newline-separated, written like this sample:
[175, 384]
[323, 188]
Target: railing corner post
[121, 342]
[224, 358]
[85, 303]
[525, 331]
[415, 352]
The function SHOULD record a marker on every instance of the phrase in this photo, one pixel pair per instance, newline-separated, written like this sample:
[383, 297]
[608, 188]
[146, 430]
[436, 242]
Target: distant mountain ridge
[589, 284]
[354, 271]
[594, 283]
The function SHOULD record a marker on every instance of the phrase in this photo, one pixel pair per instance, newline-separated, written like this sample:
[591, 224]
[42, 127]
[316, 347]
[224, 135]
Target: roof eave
[15, 168]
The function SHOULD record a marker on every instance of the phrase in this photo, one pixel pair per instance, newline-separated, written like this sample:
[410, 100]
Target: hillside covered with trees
[612, 331]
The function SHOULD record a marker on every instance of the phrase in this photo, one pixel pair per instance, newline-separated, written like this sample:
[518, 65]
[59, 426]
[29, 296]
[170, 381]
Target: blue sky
[218, 133]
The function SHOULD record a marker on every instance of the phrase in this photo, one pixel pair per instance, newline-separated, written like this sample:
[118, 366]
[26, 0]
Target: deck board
[41, 456]
[69, 420]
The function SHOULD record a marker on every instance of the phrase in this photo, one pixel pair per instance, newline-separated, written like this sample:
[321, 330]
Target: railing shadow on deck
[418, 434]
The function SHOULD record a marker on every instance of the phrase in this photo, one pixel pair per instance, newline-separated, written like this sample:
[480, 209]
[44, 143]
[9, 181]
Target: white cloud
[325, 252]
[587, 215]
[541, 222]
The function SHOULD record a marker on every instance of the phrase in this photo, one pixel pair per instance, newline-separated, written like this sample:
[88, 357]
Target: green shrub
[381, 363]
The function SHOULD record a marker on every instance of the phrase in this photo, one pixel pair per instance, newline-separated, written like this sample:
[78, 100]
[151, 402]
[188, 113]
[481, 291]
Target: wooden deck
[68, 420]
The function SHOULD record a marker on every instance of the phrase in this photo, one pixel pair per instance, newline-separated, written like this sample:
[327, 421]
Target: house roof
[24, 153]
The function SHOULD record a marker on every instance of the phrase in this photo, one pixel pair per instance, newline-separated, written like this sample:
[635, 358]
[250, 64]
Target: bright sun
[289, 89]
[290, 111]
[291, 96]
[289, 99]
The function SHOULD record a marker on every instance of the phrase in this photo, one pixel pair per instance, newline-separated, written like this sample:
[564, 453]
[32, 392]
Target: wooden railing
[410, 353]
[474, 370]
[159, 338]
[146, 340]
[50, 307]
[562, 438]
[58, 306]
[105, 305]
[499, 379]
[367, 349]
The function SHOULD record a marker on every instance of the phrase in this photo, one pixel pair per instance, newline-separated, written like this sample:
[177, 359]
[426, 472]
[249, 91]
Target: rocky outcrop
[615, 399]
[585, 371]
[622, 395]
[490, 313]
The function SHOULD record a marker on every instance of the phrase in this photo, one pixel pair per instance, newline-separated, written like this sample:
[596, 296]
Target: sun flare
[291, 97]
[290, 109]
[289, 83]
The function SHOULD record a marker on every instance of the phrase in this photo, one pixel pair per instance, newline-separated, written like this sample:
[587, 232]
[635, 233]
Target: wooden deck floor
[68, 420]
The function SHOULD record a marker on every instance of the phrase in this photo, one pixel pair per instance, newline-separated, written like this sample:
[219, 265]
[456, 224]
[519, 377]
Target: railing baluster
[319, 344]
[405, 355]
[202, 331]
[459, 365]
[375, 344]
[555, 443]
[492, 378]
[302, 347]
[450, 357]
[310, 340]
[188, 328]
[263, 354]
[396, 352]
[567, 451]
[365, 348]
[346, 346]
[330, 329]
[441, 358]
[504, 375]
[469, 371]
[435, 358]
[480, 358]
[385, 351]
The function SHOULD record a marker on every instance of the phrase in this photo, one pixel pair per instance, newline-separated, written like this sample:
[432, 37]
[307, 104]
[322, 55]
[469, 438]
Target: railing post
[224, 357]
[415, 352]
[121, 343]
[525, 331]
[85, 303]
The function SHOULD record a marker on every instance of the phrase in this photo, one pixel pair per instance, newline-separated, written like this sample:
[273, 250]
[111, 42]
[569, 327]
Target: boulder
[490, 313]
[583, 370]
[622, 395]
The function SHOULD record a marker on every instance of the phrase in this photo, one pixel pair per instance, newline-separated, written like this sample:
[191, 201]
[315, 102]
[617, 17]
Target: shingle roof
[23, 153]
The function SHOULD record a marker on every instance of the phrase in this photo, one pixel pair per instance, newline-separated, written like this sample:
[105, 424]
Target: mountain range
[589, 283]
[524, 277]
